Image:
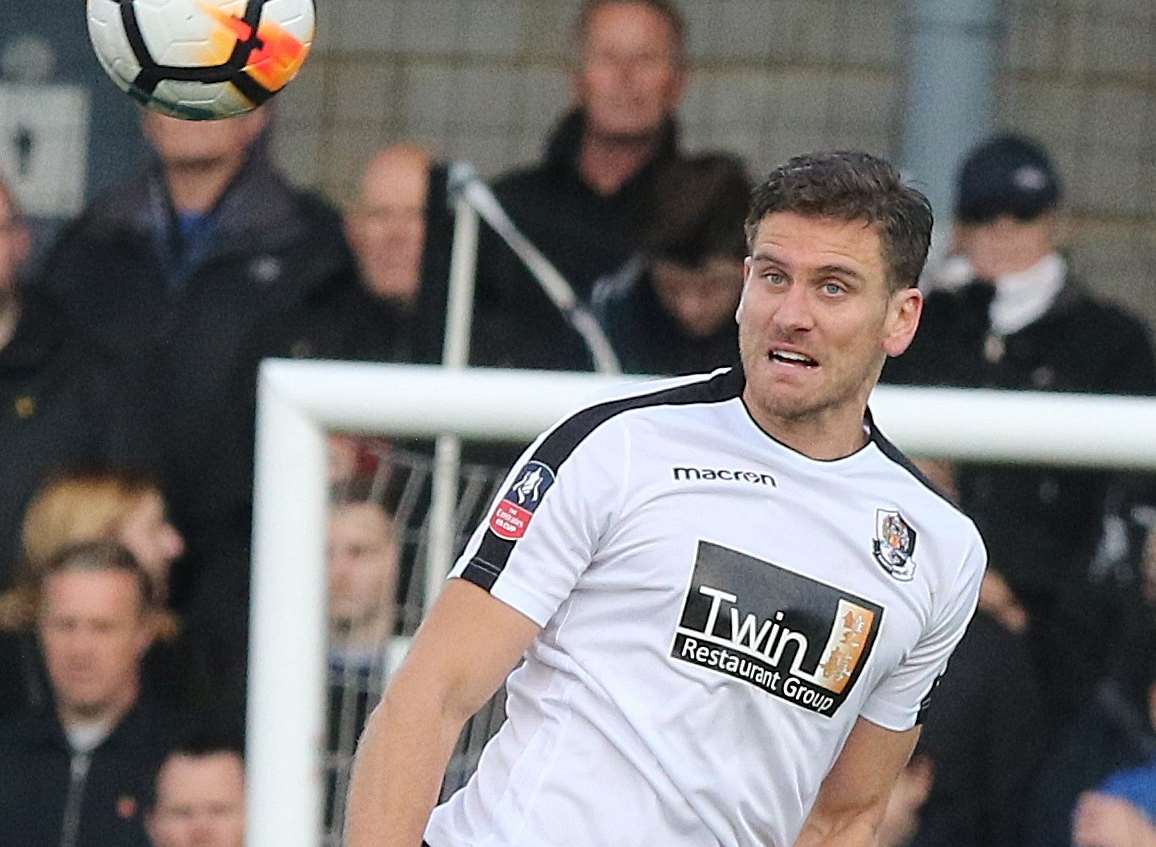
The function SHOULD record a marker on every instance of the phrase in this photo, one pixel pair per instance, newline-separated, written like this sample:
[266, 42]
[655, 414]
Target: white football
[201, 59]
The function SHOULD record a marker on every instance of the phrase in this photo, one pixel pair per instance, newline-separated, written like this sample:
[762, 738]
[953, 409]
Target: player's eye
[833, 288]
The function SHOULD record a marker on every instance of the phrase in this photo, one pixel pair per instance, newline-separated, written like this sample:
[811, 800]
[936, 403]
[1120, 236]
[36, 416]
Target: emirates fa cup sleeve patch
[513, 513]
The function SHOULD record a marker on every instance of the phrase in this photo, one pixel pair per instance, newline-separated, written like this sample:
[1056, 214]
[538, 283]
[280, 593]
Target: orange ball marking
[278, 58]
[230, 30]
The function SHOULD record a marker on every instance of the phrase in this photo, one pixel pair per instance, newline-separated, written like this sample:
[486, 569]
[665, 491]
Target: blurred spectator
[183, 273]
[1115, 731]
[984, 738]
[1105, 820]
[672, 310]
[400, 229]
[171, 273]
[200, 796]
[93, 505]
[1010, 314]
[370, 312]
[363, 584]
[585, 204]
[117, 505]
[78, 774]
[363, 557]
[387, 226]
[60, 402]
[1122, 811]
[392, 305]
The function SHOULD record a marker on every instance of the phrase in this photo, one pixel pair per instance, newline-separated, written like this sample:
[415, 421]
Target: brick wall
[486, 79]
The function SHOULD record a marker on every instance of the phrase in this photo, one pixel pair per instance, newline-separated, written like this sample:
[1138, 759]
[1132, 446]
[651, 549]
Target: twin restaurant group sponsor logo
[796, 638]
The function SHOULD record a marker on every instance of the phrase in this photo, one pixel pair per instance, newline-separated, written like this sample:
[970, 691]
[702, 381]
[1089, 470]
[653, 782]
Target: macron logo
[753, 477]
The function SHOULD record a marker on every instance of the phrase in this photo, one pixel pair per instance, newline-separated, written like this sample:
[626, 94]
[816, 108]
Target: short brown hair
[665, 8]
[852, 186]
[700, 203]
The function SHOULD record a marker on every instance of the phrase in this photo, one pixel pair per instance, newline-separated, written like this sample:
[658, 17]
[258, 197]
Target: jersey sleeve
[899, 701]
[544, 527]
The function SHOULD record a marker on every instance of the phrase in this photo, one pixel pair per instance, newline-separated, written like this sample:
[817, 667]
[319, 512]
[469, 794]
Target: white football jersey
[717, 611]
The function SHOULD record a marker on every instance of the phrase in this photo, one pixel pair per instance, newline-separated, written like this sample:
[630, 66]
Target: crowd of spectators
[128, 361]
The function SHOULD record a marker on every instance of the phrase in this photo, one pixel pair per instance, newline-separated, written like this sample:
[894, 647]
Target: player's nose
[793, 311]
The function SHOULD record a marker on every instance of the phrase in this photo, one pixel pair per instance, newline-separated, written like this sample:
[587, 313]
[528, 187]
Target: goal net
[377, 557]
[306, 709]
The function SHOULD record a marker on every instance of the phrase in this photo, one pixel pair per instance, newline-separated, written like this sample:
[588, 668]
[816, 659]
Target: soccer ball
[201, 59]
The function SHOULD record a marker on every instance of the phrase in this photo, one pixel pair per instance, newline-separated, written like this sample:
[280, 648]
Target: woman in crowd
[87, 505]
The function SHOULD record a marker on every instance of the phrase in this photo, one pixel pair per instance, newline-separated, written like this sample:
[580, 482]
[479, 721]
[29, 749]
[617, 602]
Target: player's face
[387, 229]
[200, 802]
[93, 632]
[816, 322]
[631, 78]
[703, 299]
[362, 564]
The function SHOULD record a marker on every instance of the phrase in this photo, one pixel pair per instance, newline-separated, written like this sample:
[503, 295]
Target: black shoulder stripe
[487, 564]
[897, 456]
[556, 449]
[925, 703]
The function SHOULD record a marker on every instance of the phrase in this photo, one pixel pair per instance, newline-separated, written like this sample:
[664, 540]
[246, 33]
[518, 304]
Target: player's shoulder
[622, 401]
[654, 394]
[935, 509]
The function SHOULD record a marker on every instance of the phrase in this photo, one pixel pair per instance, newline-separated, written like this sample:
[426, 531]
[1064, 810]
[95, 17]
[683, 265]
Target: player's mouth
[791, 358]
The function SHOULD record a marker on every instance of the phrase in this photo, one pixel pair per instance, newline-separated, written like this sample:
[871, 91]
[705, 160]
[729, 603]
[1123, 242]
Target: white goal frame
[299, 402]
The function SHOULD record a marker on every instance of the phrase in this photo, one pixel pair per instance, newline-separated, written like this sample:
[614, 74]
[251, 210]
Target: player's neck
[826, 435]
[196, 188]
[606, 163]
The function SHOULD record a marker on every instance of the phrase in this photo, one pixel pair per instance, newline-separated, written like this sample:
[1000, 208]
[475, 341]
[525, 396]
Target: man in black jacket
[585, 204]
[1010, 314]
[984, 740]
[172, 274]
[60, 401]
[80, 774]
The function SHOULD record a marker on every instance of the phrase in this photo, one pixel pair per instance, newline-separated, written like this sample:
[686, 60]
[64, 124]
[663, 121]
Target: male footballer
[730, 595]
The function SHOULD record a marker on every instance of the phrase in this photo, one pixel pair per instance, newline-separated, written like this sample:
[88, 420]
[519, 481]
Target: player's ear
[903, 312]
[743, 296]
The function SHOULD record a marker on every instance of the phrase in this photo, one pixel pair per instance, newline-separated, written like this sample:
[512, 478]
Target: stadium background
[484, 80]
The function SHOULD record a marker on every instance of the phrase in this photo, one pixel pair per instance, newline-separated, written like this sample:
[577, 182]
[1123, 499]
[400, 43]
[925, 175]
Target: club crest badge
[894, 544]
[513, 513]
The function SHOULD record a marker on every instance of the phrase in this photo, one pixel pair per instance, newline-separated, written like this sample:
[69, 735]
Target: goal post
[300, 402]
